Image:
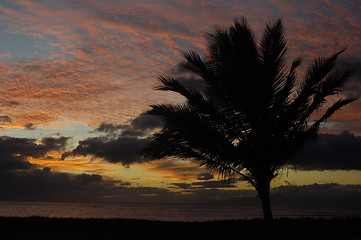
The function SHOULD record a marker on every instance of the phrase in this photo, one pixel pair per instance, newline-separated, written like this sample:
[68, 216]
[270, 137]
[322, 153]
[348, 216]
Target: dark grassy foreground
[60, 228]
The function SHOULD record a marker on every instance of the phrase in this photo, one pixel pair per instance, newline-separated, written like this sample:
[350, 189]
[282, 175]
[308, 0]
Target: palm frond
[272, 52]
[234, 62]
[333, 84]
[193, 96]
[243, 44]
[300, 108]
[288, 85]
[194, 63]
[314, 76]
[335, 107]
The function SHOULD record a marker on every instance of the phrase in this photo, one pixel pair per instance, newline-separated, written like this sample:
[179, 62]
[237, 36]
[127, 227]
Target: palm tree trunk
[264, 194]
[267, 210]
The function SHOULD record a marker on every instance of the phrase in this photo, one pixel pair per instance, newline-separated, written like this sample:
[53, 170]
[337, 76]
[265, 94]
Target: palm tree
[253, 117]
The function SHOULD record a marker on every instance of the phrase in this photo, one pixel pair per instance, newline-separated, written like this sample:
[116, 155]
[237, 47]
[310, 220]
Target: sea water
[162, 212]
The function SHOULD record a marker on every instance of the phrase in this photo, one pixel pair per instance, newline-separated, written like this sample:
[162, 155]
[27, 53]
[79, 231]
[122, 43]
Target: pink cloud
[99, 60]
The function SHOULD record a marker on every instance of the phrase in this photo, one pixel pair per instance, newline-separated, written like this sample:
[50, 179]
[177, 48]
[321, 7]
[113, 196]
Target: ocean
[162, 212]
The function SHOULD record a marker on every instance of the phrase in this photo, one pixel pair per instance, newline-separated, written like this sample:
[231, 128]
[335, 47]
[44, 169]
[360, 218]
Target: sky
[76, 77]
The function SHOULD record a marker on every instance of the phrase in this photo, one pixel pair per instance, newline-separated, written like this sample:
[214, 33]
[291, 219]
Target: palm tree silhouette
[252, 118]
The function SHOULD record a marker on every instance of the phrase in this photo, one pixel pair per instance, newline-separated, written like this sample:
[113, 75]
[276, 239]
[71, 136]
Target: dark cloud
[87, 178]
[216, 184]
[23, 181]
[182, 185]
[109, 128]
[13, 162]
[228, 183]
[353, 87]
[146, 122]
[36, 184]
[205, 176]
[6, 103]
[124, 150]
[55, 143]
[122, 143]
[213, 192]
[183, 75]
[139, 126]
[30, 126]
[5, 119]
[322, 195]
[46, 185]
[332, 152]
[14, 151]
[328, 195]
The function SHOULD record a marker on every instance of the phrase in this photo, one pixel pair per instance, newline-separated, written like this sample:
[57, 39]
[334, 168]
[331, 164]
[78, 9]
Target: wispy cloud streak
[111, 51]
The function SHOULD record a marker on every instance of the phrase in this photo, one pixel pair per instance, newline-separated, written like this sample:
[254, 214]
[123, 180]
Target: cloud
[29, 126]
[183, 75]
[6, 119]
[87, 178]
[353, 89]
[124, 150]
[122, 143]
[146, 122]
[98, 61]
[22, 180]
[205, 176]
[180, 170]
[15, 151]
[54, 143]
[36, 184]
[21, 148]
[27, 120]
[46, 185]
[349, 118]
[321, 195]
[140, 126]
[7, 103]
[206, 184]
[332, 152]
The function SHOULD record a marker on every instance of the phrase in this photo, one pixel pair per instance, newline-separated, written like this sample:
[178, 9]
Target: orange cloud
[176, 170]
[25, 120]
[54, 162]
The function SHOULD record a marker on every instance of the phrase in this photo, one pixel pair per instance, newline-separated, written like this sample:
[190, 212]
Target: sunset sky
[76, 77]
